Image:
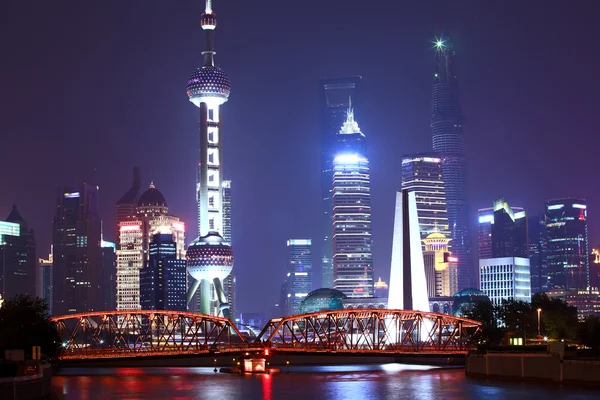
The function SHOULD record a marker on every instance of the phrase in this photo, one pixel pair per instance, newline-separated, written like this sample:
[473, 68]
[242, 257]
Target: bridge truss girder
[372, 330]
[136, 333]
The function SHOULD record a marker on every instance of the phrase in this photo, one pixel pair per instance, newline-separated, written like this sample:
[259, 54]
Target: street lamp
[539, 310]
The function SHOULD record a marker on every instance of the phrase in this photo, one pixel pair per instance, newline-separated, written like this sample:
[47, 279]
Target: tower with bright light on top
[208, 88]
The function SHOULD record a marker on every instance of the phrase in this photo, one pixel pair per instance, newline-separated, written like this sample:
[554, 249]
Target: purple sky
[90, 89]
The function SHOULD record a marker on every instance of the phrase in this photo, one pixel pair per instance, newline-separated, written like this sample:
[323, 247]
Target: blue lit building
[504, 269]
[163, 282]
[335, 95]
[567, 244]
[351, 211]
[17, 257]
[298, 283]
[448, 141]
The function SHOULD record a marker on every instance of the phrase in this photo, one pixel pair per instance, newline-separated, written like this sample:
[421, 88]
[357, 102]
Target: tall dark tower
[335, 95]
[448, 141]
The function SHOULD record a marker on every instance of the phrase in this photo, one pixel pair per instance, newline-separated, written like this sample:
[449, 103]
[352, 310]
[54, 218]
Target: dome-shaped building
[152, 202]
[463, 300]
[324, 299]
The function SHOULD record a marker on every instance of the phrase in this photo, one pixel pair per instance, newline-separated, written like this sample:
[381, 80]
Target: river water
[388, 381]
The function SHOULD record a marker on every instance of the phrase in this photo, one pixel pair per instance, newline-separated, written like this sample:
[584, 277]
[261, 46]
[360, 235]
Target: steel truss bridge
[139, 333]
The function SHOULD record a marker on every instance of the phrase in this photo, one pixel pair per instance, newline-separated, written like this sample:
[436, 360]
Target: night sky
[90, 89]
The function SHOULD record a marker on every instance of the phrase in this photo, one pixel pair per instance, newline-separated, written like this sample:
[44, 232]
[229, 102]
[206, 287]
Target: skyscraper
[351, 198]
[335, 95]
[77, 261]
[208, 88]
[229, 282]
[135, 235]
[504, 269]
[45, 281]
[568, 255]
[125, 207]
[422, 174]
[298, 283]
[441, 271]
[537, 253]
[109, 275]
[448, 141]
[163, 283]
[17, 257]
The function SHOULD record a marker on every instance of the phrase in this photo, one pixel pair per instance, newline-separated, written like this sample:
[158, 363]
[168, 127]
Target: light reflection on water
[353, 382]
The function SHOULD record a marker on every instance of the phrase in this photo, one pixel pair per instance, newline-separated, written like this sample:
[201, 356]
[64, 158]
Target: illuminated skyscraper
[45, 281]
[109, 275]
[440, 266]
[334, 99]
[208, 88]
[163, 284]
[77, 260]
[568, 255]
[17, 257]
[135, 235]
[298, 283]
[351, 198]
[504, 253]
[229, 282]
[125, 207]
[448, 141]
[422, 174]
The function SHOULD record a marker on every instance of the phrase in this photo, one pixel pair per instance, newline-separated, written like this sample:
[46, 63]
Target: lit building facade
[567, 242]
[298, 283]
[504, 270]
[504, 278]
[351, 199]
[229, 282]
[208, 88]
[125, 208]
[109, 275]
[76, 241]
[448, 141]
[422, 174]
[135, 236]
[441, 268]
[163, 281]
[586, 301]
[335, 95]
[381, 289]
[17, 257]
[537, 253]
[45, 281]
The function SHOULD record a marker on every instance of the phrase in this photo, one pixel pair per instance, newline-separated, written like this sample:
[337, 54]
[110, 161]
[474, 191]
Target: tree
[24, 323]
[486, 313]
[516, 316]
[558, 319]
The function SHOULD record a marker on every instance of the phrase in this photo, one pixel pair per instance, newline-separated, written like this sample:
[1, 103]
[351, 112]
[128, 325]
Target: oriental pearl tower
[209, 257]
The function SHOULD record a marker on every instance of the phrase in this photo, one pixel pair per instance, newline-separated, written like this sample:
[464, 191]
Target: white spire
[350, 125]
[208, 9]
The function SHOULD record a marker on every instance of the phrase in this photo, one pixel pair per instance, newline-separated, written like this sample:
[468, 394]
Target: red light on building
[266, 352]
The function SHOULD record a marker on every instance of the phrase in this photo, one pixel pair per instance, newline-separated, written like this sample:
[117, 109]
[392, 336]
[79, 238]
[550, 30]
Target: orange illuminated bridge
[138, 333]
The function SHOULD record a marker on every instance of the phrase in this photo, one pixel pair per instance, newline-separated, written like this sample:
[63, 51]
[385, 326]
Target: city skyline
[380, 119]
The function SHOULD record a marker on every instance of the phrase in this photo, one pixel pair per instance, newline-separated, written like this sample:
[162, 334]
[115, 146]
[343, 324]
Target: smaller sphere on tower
[209, 257]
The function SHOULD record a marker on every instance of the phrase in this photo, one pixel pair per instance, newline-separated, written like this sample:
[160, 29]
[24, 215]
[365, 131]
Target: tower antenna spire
[208, 9]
